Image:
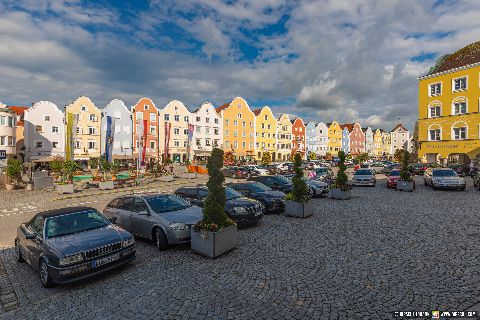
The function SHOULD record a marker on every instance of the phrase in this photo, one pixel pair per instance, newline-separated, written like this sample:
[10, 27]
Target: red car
[393, 176]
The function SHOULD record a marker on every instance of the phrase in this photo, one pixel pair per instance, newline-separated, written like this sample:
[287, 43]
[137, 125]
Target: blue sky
[348, 60]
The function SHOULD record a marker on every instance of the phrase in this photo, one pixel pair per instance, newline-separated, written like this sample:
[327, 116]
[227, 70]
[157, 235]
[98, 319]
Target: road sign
[3, 154]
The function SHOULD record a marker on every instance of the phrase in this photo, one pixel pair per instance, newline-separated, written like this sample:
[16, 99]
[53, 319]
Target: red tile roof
[257, 111]
[399, 125]
[19, 110]
[349, 126]
[463, 57]
[223, 107]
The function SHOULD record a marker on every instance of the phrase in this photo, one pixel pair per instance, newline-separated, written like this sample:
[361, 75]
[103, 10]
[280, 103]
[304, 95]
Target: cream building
[179, 117]
[207, 131]
[284, 138]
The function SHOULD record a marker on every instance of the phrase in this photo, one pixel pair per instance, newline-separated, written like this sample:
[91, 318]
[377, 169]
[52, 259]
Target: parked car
[271, 168]
[460, 169]
[393, 177]
[476, 179]
[273, 200]
[324, 174]
[443, 178]
[388, 168]
[235, 172]
[241, 209]
[252, 170]
[277, 182]
[70, 244]
[364, 177]
[165, 219]
[420, 168]
[316, 188]
[377, 167]
[285, 167]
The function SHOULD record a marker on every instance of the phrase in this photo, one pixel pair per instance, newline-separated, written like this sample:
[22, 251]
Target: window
[459, 108]
[460, 84]
[38, 144]
[198, 142]
[176, 117]
[235, 123]
[153, 130]
[176, 131]
[54, 129]
[216, 121]
[2, 120]
[226, 133]
[263, 125]
[37, 226]
[244, 134]
[227, 122]
[207, 143]
[54, 144]
[92, 145]
[185, 132]
[244, 144]
[251, 145]
[239, 116]
[434, 111]
[145, 107]
[38, 129]
[207, 120]
[166, 117]
[235, 133]
[78, 144]
[139, 115]
[184, 144]
[91, 130]
[152, 144]
[244, 124]
[84, 108]
[435, 89]
[215, 143]
[185, 118]
[153, 117]
[93, 118]
[46, 118]
[197, 129]
[207, 130]
[198, 119]
[235, 144]
[460, 133]
[176, 143]
[266, 117]
[215, 131]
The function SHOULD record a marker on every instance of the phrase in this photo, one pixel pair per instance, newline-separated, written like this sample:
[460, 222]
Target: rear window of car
[444, 173]
[395, 173]
[363, 173]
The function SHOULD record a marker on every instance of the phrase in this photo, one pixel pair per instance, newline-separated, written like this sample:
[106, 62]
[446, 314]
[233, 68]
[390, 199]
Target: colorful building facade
[145, 120]
[369, 146]
[321, 134]
[8, 131]
[357, 140]
[298, 137]
[207, 131]
[377, 143]
[345, 138]
[176, 116]
[123, 131]
[284, 138]
[335, 134]
[238, 128]
[387, 144]
[265, 133]
[399, 138]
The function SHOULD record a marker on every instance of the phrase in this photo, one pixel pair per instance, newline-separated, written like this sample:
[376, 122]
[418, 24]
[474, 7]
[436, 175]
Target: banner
[189, 141]
[71, 134]
[109, 136]
[168, 126]
[144, 140]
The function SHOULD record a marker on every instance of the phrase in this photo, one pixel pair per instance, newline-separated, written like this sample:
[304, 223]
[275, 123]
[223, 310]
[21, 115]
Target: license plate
[100, 262]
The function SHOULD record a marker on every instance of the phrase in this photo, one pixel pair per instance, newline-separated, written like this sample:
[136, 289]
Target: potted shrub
[216, 233]
[68, 170]
[105, 184]
[405, 183]
[13, 171]
[298, 202]
[56, 166]
[341, 190]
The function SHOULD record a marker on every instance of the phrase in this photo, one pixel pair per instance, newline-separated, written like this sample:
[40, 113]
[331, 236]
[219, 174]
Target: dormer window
[145, 107]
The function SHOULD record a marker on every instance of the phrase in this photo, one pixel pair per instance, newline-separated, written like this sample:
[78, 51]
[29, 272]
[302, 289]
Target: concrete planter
[107, 185]
[188, 175]
[214, 244]
[404, 185]
[299, 209]
[339, 194]
[167, 178]
[9, 187]
[29, 186]
[65, 188]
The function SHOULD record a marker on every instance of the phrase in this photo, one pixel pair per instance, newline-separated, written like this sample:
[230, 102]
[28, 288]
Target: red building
[298, 136]
[143, 110]
[357, 138]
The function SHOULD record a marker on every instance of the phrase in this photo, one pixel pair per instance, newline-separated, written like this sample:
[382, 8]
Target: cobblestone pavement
[363, 258]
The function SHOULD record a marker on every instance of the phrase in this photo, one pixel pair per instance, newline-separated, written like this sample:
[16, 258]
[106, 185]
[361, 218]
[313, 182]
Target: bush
[266, 157]
[398, 155]
[300, 190]
[214, 216]
[341, 181]
[69, 169]
[361, 158]
[312, 156]
[57, 165]
[404, 172]
[13, 169]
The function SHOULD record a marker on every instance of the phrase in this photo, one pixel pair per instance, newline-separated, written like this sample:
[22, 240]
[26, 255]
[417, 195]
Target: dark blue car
[70, 244]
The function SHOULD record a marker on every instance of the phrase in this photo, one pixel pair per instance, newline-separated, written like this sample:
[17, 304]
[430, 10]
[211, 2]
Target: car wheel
[161, 240]
[478, 186]
[463, 189]
[425, 183]
[44, 274]
[312, 193]
[234, 176]
[18, 253]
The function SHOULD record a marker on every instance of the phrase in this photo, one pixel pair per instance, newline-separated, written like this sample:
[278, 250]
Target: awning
[45, 159]
[202, 153]
[123, 157]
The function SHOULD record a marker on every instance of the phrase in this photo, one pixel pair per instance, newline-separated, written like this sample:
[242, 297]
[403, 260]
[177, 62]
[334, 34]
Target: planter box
[340, 194]
[65, 188]
[43, 183]
[107, 185]
[214, 244]
[299, 209]
[188, 175]
[167, 178]
[9, 187]
[404, 185]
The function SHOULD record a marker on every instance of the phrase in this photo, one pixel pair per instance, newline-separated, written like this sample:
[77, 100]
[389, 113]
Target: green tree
[69, 169]
[361, 157]
[13, 169]
[266, 157]
[312, 156]
[300, 189]
[341, 181]
[214, 216]
[404, 172]
[398, 155]
[57, 165]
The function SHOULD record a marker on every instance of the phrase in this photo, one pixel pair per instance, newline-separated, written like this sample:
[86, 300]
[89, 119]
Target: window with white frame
[198, 142]
[176, 131]
[153, 117]
[54, 129]
[207, 142]
[78, 144]
[235, 144]
[38, 129]
[84, 108]
[185, 132]
[235, 123]
[185, 118]
[239, 116]
[434, 111]
[435, 89]
[152, 144]
[139, 115]
[176, 117]
[153, 130]
[235, 133]
[460, 107]
[198, 119]
[227, 122]
[460, 84]
[207, 120]
[38, 144]
[54, 144]
[46, 118]
[166, 117]
[216, 131]
[145, 107]
[176, 143]
[207, 130]
[460, 133]
[197, 129]
[91, 130]
[92, 145]
[216, 121]
[93, 118]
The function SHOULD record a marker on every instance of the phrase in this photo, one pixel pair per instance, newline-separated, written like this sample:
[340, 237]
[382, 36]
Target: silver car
[364, 177]
[443, 178]
[163, 218]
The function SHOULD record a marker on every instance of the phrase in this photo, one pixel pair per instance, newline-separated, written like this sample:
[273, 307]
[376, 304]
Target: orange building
[238, 128]
[298, 136]
[145, 109]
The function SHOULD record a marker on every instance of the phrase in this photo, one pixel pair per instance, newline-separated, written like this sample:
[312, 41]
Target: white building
[179, 117]
[123, 136]
[321, 134]
[207, 132]
[369, 146]
[44, 132]
[400, 138]
[8, 127]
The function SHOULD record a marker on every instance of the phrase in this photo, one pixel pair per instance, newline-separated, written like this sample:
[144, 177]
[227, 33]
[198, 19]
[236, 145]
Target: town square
[239, 159]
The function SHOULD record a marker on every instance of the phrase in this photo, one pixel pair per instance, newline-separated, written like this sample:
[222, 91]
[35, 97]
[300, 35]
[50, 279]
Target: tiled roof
[257, 111]
[399, 125]
[223, 107]
[463, 57]
[19, 110]
[349, 126]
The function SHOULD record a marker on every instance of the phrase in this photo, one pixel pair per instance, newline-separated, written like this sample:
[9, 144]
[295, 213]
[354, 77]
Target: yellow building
[387, 144]
[266, 128]
[378, 143]
[284, 138]
[238, 128]
[448, 108]
[87, 136]
[334, 138]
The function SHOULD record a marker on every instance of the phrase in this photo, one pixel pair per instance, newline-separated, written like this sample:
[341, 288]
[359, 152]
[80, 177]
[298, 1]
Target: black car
[241, 209]
[272, 200]
[70, 244]
[279, 183]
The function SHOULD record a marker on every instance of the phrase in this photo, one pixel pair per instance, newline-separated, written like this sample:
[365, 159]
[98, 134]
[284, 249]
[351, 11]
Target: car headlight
[178, 226]
[128, 243]
[74, 258]
[240, 210]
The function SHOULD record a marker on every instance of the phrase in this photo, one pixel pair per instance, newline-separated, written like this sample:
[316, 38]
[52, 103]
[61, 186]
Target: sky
[324, 60]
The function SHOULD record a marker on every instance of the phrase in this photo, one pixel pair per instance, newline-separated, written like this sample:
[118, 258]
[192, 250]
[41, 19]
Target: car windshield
[282, 180]
[363, 173]
[74, 222]
[167, 203]
[231, 194]
[444, 173]
[257, 187]
[321, 171]
[395, 173]
[364, 166]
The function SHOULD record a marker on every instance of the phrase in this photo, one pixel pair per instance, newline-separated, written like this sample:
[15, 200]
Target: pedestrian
[473, 168]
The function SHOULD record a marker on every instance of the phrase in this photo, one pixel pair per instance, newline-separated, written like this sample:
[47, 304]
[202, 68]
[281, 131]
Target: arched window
[434, 109]
[459, 131]
[434, 132]
[459, 106]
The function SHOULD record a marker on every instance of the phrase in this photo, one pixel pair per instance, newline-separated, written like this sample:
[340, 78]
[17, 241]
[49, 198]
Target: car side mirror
[144, 213]
[28, 235]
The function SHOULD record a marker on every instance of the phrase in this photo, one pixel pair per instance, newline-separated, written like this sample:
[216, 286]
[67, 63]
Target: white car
[260, 171]
[364, 177]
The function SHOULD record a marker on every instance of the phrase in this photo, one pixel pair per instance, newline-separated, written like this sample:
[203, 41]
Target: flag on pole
[168, 126]
[71, 134]
[144, 140]
[109, 136]
[189, 141]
